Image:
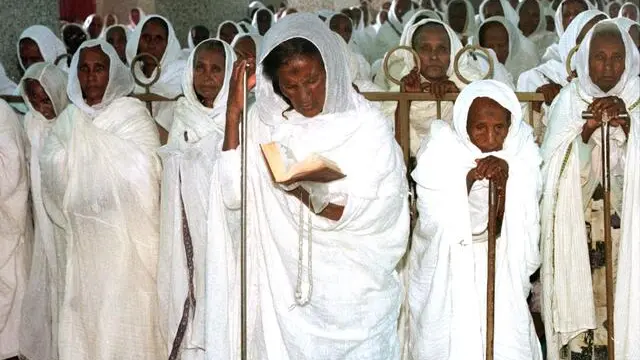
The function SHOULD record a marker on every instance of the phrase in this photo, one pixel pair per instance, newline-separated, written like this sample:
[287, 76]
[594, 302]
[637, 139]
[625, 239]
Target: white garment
[568, 306]
[523, 54]
[254, 20]
[16, 232]
[238, 29]
[470, 24]
[171, 69]
[351, 284]
[447, 290]
[192, 179]
[100, 187]
[132, 26]
[7, 86]
[630, 4]
[509, 12]
[389, 33]
[50, 46]
[540, 37]
[38, 334]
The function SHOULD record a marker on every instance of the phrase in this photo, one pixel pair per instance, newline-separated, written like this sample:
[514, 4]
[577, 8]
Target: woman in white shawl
[16, 231]
[116, 35]
[44, 90]
[533, 25]
[551, 76]
[517, 53]
[135, 16]
[389, 34]
[155, 35]
[340, 24]
[574, 305]
[630, 11]
[612, 8]
[460, 15]
[38, 43]
[343, 302]
[197, 269]
[491, 8]
[262, 20]
[448, 258]
[631, 27]
[564, 15]
[100, 188]
[228, 30]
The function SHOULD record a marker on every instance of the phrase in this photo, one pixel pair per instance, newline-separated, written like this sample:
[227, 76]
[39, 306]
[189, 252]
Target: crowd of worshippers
[121, 221]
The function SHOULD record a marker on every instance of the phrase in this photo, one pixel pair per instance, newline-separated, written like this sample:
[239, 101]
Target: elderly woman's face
[432, 44]
[153, 39]
[495, 36]
[39, 99]
[457, 16]
[529, 17]
[93, 74]
[606, 60]
[302, 80]
[29, 52]
[118, 39]
[630, 12]
[208, 74]
[341, 25]
[488, 124]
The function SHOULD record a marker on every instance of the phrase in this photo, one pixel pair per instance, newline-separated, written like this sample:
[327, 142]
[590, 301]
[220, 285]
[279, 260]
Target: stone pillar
[17, 16]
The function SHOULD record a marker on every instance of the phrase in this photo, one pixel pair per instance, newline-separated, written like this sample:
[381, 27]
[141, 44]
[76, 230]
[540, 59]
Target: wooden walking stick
[243, 222]
[491, 267]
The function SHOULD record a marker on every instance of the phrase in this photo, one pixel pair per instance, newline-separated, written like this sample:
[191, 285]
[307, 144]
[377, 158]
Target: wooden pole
[606, 184]
[491, 268]
[243, 225]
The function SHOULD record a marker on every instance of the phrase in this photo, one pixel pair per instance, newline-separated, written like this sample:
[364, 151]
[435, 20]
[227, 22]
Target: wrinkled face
[39, 99]
[95, 27]
[570, 10]
[433, 46]
[457, 16]
[228, 32]
[118, 39]
[495, 36]
[493, 8]
[614, 9]
[29, 53]
[264, 21]
[73, 37]
[402, 7]
[153, 39]
[341, 25]
[245, 48]
[588, 26]
[302, 80]
[630, 12]
[634, 31]
[109, 20]
[488, 124]
[529, 17]
[135, 16]
[208, 74]
[606, 60]
[93, 74]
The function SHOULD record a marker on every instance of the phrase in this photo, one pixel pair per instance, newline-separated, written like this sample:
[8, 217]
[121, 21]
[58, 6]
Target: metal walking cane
[491, 267]
[243, 221]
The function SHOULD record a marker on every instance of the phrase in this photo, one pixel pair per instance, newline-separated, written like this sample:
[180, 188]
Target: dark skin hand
[411, 83]
[491, 168]
[550, 91]
[332, 211]
[611, 105]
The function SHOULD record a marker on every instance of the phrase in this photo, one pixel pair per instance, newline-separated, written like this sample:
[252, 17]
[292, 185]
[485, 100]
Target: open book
[314, 168]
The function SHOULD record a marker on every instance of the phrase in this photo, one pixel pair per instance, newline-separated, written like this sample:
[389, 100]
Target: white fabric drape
[7, 86]
[568, 304]
[389, 33]
[470, 24]
[447, 267]
[355, 295]
[238, 28]
[171, 69]
[191, 179]
[38, 333]
[50, 46]
[16, 232]
[509, 12]
[100, 187]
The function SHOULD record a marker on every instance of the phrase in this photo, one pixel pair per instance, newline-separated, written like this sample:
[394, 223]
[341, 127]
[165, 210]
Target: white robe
[448, 266]
[16, 232]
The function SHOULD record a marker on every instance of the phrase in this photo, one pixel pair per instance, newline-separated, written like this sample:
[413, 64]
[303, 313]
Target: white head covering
[131, 25]
[89, 20]
[238, 28]
[190, 43]
[631, 62]
[542, 24]
[191, 98]
[340, 95]
[171, 53]
[7, 86]
[393, 18]
[254, 20]
[54, 82]
[257, 41]
[625, 23]
[430, 14]
[569, 38]
[120, 79]
[246, 27]
[609, 4]
[498, 92]
[127, 33]
[50, 46]
[557, 19]
[627, 4]
[256, 5]
[470, 24]
[509, 12]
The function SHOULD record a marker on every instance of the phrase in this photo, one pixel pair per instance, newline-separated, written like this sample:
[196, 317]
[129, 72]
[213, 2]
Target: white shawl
[7, 86]
[15, 228]
[568, 306]
[389, 33]
[238, 28]
[541, 37]
[470, 24]
[353, 289]
[50, 46]
[632, 5]
[191, 178]
[447, 314]
[38, 335]
[171, 69]
[509, 12]
[101, 189]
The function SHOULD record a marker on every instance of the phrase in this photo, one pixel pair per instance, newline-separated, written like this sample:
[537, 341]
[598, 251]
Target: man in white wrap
[16, 229]
[100, 187]
[574, 301]
[155, 35]
[343, 301]
[197, 276]
[448, 258]
[44, 90]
